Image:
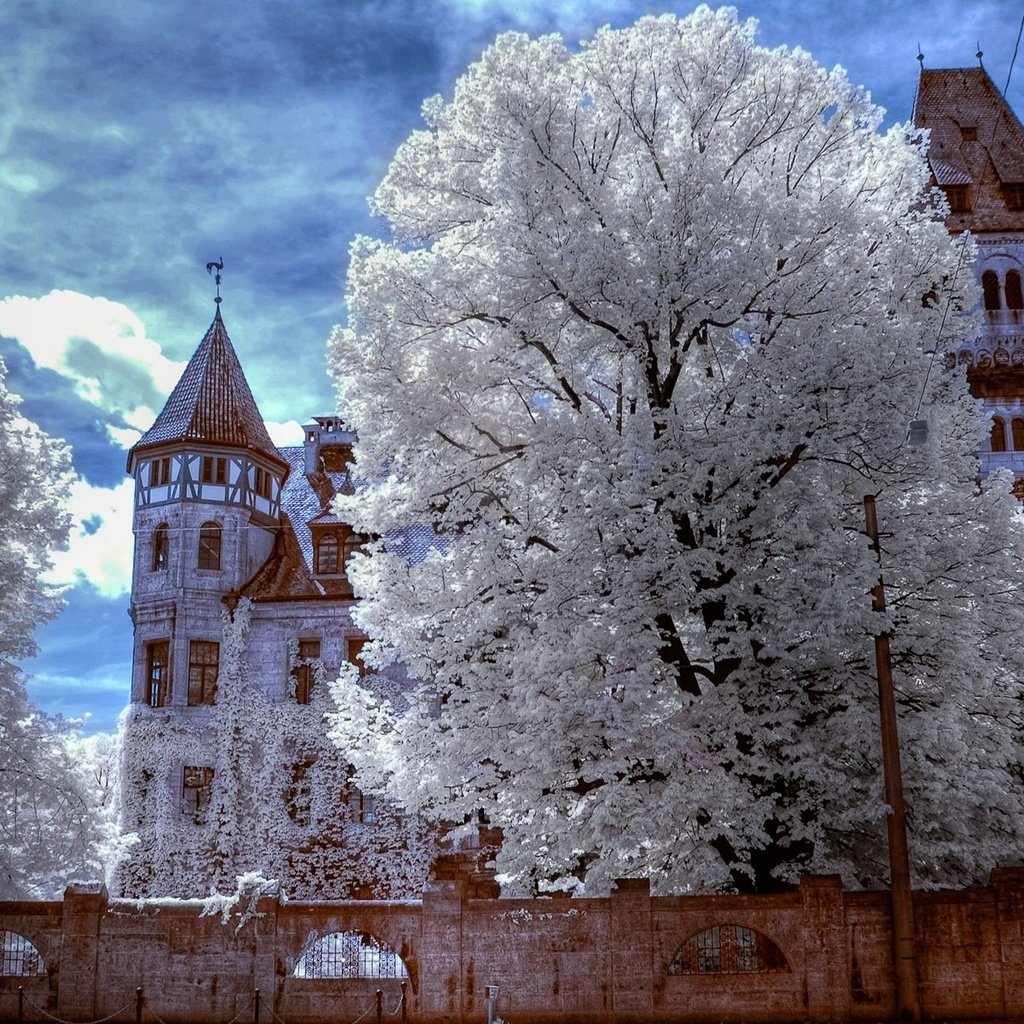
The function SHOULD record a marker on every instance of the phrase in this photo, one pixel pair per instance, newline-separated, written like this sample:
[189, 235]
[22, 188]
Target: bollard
[21, 1004]
[380, 1005]
[256, 1007]
[138, 1005]
[403, 1004]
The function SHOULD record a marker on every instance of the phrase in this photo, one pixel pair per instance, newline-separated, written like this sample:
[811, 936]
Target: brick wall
[594, 960]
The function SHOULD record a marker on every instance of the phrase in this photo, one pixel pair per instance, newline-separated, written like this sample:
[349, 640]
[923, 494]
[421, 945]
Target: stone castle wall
[587, 960]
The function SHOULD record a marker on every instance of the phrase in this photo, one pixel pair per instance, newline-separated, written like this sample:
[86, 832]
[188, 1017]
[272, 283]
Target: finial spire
[219, 267]
[979, 55]
[920, 56]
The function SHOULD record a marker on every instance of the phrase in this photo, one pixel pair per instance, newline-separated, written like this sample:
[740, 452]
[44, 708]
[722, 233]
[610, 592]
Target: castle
[242, 614]
[242, 607]
[976, 155]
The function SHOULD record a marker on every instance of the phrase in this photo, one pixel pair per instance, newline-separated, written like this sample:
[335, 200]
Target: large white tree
[653, 318]
[52, 826]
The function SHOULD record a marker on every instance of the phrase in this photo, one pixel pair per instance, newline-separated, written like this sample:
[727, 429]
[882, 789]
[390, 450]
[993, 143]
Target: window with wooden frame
[215, 469]
[209, 546]
[158, 674]
[998, 434]
[203, 663]
[327, 555]
[302, 672]
[1013, 195]
[261, 482]
[161, 548]
[959, 198]
[354, 652]
[160, 472]
[196, 790]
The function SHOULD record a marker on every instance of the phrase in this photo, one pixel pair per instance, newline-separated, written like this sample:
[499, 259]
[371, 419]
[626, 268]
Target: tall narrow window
[1014, 298]
[159, 472]
[203, 658]
[158, 674]
[998, 435]
[160, 547]
[327, 554]
[309, 651]
[196, 790]
[1017, 433]
[262, 482]
[990, 288]
[209, 546]
[959, 197]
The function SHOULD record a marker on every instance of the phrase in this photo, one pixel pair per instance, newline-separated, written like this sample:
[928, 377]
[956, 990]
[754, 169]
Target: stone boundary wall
[588, 960]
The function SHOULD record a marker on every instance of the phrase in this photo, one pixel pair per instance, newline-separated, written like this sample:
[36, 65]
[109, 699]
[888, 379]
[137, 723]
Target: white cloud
[99, 345]
[100, 549]
[286, 434]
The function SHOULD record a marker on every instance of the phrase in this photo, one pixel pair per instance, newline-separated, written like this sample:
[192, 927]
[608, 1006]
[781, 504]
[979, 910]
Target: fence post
[256, 1007]
[403, 1004]
[21, 1004]
[380, 1004]
[138, 1005]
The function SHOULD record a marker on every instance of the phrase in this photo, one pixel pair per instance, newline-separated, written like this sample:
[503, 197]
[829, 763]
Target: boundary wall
[592, 961]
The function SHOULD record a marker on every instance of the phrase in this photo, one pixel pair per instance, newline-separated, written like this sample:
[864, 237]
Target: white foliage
[650, 328]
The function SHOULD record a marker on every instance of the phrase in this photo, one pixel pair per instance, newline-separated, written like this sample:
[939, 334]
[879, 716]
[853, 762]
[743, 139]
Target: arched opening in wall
[1017, 434]
[998, 443]
[348, 955]
[18, 957]
[729, 949]
[209, 546]
[1014, 296]
[990, 288]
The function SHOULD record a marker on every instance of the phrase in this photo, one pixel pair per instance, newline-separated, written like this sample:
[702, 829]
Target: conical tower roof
[211, 403]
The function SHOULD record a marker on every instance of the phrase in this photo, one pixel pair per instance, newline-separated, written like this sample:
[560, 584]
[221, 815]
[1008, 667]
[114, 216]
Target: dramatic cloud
[100, 550]
[100, 346]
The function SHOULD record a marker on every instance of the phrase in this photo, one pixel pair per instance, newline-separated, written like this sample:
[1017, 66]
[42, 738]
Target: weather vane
[219, 267]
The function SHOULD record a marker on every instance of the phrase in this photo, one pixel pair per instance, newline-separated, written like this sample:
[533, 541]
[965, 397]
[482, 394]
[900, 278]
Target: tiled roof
[211, 403]
[975, 140]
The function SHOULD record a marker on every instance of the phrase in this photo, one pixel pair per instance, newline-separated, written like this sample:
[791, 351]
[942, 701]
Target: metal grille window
[18, 957]
[729, 949]
[349, 955]
[203, 658]
[209, 546]
[158, 677]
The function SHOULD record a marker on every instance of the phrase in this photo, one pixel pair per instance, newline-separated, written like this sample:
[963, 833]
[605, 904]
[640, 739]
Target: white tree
[650, 326]
[50, 828]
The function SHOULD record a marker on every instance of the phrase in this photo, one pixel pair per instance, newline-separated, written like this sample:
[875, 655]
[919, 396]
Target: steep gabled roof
[211, 403]
[975, 140]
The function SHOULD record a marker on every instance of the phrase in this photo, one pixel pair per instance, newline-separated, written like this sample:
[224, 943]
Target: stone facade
[822, 954]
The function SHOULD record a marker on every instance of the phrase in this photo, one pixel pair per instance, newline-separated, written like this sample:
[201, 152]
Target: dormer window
[959, 198]
[1013, 194]
[327, 550]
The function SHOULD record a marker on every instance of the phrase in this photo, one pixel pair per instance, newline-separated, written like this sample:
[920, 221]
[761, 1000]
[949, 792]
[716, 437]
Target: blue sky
[140, 140]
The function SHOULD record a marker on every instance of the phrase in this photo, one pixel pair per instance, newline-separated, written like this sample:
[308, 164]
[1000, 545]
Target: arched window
[161, 544]
[353, 542]
[990, 286]
[1017, 433]
[1014, 297]
[349, 955]
[209, 546]
[327, 554]
[728, 949]
[998, 435]
[18, 957]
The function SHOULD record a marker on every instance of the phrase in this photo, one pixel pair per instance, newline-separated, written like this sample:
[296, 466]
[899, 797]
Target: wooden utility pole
[908, 1004]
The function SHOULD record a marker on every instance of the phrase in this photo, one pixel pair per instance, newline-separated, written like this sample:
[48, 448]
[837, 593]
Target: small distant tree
[649, 327]
[50, 829]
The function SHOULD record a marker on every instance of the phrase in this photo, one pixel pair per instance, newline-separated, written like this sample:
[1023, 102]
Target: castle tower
[976, 154]
[242, 610]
